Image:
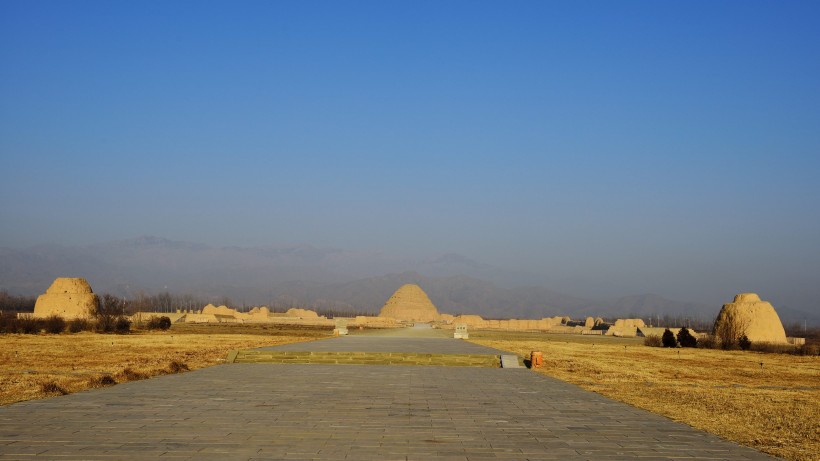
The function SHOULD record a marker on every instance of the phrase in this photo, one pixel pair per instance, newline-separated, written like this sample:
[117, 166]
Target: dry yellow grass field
[74, 362]
[774, 408]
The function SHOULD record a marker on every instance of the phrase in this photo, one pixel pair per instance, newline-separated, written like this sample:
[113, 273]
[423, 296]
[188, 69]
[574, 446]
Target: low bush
[29, 325]
[131, 375]
[52, 388]
[807, 349]
[652, 341]
[54, 324]
[104, 323]
[122, 324]
[78, 325]
[8, 322]
[771, 348]
[708, 342]
[668, 339]
[107, 323]
[159, 323]
[727, 344]
[685, 339]
[713, 342]
[102, 381]
[177, 367]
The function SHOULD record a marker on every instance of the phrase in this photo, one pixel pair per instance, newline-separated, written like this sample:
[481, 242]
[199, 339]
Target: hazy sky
[614, 147]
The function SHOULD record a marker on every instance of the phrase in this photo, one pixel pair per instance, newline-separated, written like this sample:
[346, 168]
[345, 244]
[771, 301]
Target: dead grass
[774, 408]
[38, 366]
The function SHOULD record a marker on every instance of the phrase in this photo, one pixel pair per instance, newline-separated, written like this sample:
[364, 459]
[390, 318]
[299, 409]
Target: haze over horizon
[608, 148]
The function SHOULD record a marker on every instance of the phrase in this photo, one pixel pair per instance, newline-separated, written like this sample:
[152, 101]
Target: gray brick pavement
[352, 412]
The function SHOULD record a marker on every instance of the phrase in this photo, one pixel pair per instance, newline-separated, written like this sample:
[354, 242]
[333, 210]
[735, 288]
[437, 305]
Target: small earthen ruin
[263, 314]
[548, 323]
[224, 314]
[69, 298]
[625, 328]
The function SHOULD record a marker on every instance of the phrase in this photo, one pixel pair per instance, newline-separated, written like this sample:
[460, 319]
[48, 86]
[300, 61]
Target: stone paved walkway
[351, 412]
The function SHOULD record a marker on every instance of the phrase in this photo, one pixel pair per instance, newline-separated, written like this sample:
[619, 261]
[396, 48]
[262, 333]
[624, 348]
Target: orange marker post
[536, 359]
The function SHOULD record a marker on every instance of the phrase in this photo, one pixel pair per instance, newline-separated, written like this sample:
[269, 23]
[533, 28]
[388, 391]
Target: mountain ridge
[317, 277]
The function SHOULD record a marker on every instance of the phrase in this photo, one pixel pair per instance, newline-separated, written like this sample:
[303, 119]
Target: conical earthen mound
[410, 304]
[757, 319]
[69, 298]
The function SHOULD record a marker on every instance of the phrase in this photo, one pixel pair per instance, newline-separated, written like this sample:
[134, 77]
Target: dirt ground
[767, 401]
[38, 366]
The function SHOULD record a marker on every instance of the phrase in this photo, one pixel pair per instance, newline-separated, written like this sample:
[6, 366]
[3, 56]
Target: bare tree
[729, 328]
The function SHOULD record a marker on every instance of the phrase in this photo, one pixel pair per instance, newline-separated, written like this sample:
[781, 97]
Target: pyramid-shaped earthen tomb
[410, 304]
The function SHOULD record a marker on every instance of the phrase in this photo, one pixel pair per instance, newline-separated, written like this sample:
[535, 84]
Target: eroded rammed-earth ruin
[69, 298]
[753, 317]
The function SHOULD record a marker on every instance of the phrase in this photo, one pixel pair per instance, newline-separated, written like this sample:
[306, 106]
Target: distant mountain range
[319, 277]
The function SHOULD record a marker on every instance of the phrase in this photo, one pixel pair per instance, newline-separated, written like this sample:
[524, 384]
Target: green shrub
[685, 339]
[652, 341]
[744, 343]
[668, 339]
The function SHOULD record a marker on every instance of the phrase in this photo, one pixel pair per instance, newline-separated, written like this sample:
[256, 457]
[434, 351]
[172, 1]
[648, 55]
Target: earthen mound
[755, 318]
[629, 323]
[221, 310]
[302, 313]
[410, 304]
[471, 320]
[70, 298]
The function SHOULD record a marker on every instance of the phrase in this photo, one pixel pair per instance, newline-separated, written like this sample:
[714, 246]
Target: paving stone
[509, 361]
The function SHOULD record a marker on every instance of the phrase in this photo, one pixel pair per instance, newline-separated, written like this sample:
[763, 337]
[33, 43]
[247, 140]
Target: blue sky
[613, 147]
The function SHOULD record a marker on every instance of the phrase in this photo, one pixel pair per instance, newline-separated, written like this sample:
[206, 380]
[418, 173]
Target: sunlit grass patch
[767, 401]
